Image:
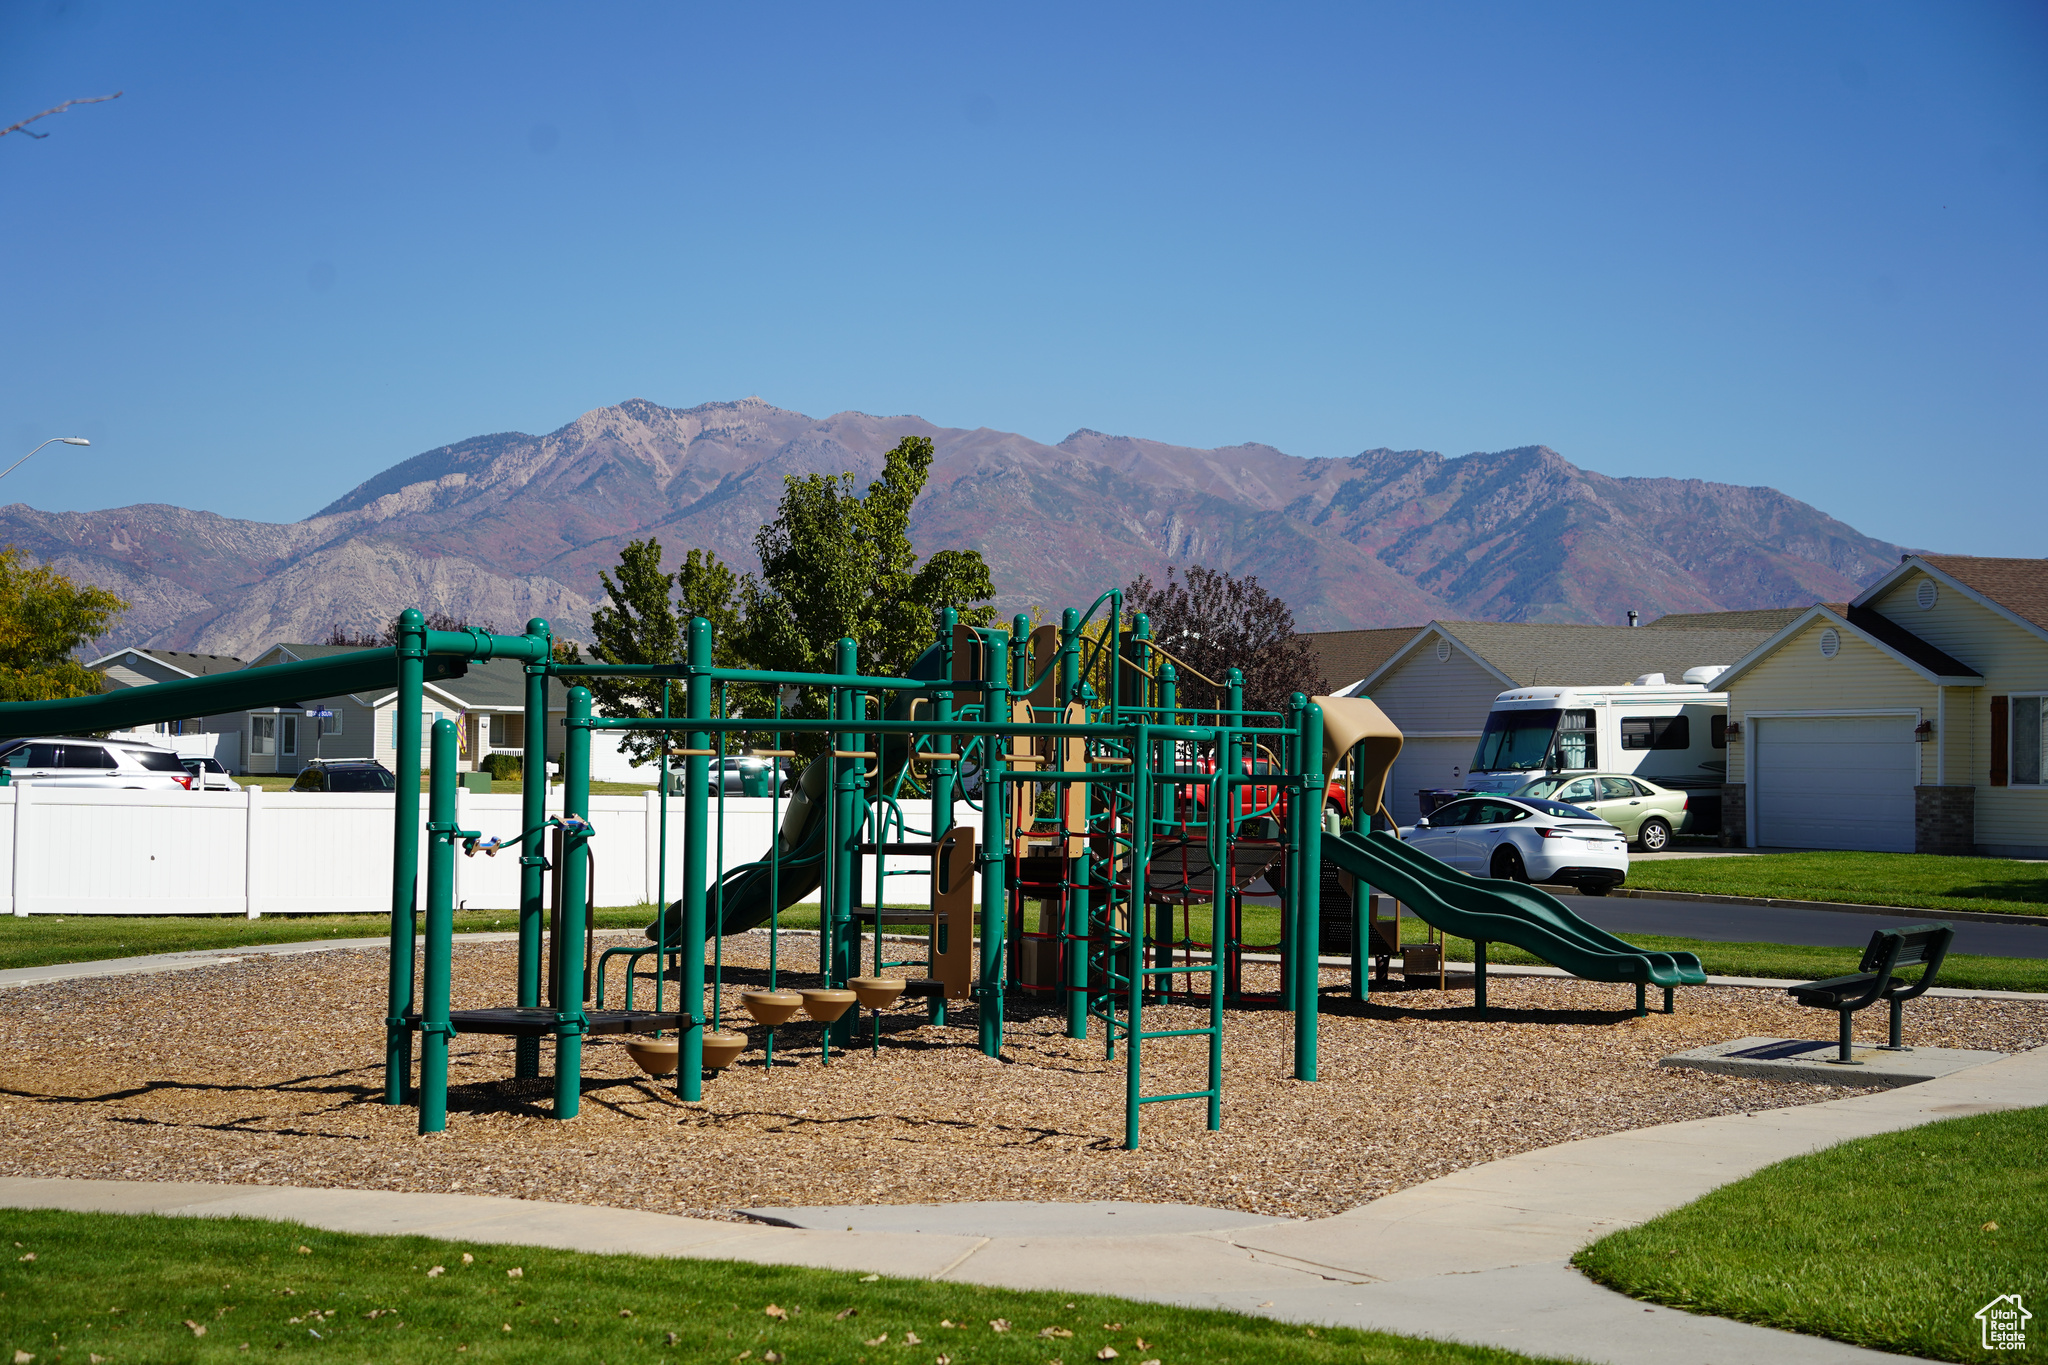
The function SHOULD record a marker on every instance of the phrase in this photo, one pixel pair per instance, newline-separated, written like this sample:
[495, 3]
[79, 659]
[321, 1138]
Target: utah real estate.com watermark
[2004, 1321]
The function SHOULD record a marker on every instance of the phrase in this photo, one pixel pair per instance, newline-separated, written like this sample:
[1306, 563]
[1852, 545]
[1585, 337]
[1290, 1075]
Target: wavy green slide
[750, 892]
[1503, 912]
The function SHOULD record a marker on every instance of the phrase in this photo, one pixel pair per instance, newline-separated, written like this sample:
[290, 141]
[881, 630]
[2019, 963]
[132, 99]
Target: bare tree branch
[22, 127]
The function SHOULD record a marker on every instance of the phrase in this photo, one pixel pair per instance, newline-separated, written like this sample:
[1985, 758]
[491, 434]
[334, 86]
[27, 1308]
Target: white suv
[73, 762]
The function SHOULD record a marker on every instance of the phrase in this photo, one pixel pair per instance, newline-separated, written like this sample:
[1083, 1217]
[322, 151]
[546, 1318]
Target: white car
[1525, 839]
[71, 761]
[209, 775]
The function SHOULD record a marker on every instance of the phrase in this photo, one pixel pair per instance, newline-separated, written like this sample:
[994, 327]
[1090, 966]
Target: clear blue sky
[1800, 245]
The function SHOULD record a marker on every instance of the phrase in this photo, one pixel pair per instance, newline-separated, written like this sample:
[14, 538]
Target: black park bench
[1876, 979]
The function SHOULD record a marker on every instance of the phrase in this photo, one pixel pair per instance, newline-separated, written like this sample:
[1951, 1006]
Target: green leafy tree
[646, 621]
[637, 626]
[836, 562]
[44, 616]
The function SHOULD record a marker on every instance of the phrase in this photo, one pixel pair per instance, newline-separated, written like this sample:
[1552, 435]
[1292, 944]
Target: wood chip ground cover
[269, 1071]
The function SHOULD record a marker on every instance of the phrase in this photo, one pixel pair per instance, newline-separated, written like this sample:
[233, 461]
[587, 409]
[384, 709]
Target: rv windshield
[1515, 741]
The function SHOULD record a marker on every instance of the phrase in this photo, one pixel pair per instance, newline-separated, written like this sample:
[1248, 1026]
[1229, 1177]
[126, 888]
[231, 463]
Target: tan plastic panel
[953, 910]
[1045, 646]
[1074, 799]
[1349, 721]
[1024, 758]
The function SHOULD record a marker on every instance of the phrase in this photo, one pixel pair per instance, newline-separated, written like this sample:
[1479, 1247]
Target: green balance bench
[1876, 979]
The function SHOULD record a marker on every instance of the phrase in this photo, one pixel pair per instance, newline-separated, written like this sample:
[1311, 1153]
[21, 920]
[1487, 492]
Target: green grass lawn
[1918, 880]
[42, 939]
[1891, 1242]
[1262, 925]
[1803, 964]
[139, 1288]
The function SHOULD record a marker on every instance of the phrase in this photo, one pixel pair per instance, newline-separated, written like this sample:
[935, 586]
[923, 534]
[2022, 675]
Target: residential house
[488, 705]
[218, 736]
[1348, 656]
[1440, 683]
[1912, 719]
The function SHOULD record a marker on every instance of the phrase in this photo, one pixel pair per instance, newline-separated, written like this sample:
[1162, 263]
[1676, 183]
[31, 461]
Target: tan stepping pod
[826, 1005]
[772, 1007]
[655, 1056]
[721, 1050]
[876, 992]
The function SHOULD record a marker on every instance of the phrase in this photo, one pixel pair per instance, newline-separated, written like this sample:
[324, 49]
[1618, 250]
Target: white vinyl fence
[81, 851]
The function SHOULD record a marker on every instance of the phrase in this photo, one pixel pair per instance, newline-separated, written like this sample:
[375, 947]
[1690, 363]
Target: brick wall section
[1734, 815]
[1944, 820]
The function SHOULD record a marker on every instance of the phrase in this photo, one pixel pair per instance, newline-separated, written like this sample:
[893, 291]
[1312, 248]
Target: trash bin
[1432, 797]
[476, 784]
[757, 781]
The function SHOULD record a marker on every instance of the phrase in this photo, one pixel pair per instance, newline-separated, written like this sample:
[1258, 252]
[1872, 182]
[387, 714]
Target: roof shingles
[2018, 585]
[1537, 655]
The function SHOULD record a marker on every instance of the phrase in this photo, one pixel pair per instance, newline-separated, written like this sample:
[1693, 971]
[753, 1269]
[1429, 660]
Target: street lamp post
[67, 440]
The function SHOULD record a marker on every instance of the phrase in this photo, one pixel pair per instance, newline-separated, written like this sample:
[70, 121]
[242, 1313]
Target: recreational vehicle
[1675, 735]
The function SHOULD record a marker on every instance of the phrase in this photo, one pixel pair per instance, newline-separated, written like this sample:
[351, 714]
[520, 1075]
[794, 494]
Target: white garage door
[1836, 782]
[1426, 763]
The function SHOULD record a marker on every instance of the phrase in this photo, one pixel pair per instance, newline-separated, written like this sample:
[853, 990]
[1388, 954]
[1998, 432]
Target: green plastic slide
[750, 892]
[1503, 912]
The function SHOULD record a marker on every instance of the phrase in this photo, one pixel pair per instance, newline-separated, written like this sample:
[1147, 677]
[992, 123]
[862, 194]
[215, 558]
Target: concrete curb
[1834, 907]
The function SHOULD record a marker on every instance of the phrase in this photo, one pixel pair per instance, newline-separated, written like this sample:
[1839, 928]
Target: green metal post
[1297, 870]
[1134, 958]
[696, 844]
[1479, 976]
[569, 1017]
[1074, 927]
[1308, 946]
[1231, 750]
[943, 782]
[405, 853]
[1141, 640]
[841, 1030]
[1167, 803]
[434, 1028]
[533, 810]
[995, 863]
[1070, 656]
[838, 954]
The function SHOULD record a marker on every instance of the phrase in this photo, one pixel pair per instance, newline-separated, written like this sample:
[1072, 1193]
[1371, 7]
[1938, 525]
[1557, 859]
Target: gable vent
[1926, 594]
[1830, 643]
[1443, 651]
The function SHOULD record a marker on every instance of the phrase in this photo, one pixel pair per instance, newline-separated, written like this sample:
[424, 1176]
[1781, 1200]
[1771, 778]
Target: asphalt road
[1814, 928]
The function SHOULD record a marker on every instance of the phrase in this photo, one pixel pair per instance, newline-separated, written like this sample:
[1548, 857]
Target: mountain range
[500, 528]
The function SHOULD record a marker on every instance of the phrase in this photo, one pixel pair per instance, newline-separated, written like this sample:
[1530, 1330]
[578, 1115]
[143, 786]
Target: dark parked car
[345, 775]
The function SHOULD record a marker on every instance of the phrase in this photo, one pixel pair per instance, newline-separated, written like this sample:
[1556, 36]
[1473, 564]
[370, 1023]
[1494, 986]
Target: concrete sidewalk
[1480, 1256]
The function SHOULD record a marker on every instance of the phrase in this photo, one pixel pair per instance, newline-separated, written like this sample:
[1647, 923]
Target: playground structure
[1120, 829]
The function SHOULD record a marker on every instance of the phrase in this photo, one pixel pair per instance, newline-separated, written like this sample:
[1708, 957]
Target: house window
[1656, 732]
[505, 731]
[288, 736]
[2027, 737]
[427, 719]
[1717, 729]
[331, 725]
[262, 735]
